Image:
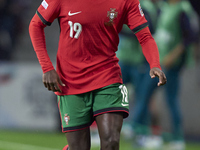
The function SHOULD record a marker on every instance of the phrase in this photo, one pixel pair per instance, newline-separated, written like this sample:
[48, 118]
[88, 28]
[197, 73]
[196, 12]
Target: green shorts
[78, 111]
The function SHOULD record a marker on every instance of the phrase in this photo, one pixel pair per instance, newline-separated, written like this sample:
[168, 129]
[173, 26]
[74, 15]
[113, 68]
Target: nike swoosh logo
[124, 104]
[71, 14]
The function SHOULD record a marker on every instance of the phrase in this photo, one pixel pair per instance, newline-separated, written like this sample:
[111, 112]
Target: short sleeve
[48, 11]
[135, 18]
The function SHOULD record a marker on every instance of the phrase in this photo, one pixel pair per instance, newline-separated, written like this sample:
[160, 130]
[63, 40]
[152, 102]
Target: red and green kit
[86, 58]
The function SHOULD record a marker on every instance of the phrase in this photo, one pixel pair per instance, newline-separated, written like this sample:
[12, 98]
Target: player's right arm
[37, 35]
[41, 19]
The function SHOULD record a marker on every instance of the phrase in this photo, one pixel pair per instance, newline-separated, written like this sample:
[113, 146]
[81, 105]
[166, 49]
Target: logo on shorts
[66, 118]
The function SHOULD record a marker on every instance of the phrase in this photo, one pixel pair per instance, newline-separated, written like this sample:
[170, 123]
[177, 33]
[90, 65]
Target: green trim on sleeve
[137, 29]
[42, 19]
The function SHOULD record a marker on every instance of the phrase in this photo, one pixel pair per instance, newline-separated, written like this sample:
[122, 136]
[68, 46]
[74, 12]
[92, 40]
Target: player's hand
[52, 81]
[156, 72]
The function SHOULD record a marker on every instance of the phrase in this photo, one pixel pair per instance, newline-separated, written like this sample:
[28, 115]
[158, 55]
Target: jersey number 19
[75, 27]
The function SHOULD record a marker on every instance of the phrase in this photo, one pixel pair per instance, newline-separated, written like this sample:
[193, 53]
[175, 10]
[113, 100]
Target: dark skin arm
[52, 81]
[156, 72]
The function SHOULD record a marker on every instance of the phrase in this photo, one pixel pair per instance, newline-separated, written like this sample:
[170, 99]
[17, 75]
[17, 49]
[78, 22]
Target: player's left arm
[137, 22]
[150, 51]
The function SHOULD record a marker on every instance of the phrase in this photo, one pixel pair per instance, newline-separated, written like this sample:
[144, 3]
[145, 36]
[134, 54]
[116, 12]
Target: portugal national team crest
[112, 14]
[66, 118]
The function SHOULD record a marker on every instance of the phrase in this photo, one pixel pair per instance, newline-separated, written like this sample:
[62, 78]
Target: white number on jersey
[75, 27]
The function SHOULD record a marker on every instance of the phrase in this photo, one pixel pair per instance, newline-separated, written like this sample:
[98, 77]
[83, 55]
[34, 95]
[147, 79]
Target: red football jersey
[86, 58]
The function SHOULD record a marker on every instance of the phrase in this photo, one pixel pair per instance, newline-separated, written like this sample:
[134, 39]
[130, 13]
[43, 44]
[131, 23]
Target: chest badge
[112, 14]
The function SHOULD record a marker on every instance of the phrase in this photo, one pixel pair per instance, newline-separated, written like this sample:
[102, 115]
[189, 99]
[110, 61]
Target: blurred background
[29, 117]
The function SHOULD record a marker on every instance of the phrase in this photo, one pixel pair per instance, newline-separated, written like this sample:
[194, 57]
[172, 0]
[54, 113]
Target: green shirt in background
[168, 32]
[129, 50]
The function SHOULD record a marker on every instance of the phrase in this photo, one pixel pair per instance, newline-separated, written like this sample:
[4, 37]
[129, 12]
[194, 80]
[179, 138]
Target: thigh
[75, 111]
[79, 140]
[109, 123]
[112, 98]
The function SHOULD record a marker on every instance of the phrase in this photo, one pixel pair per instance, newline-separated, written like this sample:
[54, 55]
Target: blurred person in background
[135, 70]
[11, 26]
[176, 36]
[88, 78]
